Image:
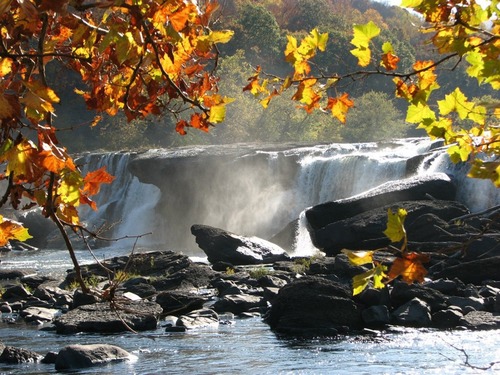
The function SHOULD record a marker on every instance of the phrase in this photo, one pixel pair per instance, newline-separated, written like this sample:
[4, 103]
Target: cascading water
[252, 190]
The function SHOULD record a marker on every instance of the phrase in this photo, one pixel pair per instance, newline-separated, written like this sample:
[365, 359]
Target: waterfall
[254, 190]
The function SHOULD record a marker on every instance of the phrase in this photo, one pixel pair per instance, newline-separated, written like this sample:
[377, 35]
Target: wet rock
[12, 354]
[43, 314]
[99, 317]
[448, 318]
[376, 316]
[74, 357]
[223, 246]
[197, 319]
[480, 320]
[238, 303]
[178, 302]
[50, 358]
[313, 306]
[414, 313]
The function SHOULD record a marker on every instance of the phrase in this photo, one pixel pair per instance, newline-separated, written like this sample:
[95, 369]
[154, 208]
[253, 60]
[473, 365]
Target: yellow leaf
[221, 36]
[69, 189]
[5, 66]
[217, 114]
[395, 225]
[12, 230]
[359, 258]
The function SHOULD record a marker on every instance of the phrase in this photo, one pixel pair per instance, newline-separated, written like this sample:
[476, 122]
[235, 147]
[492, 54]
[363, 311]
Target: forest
[260, 37]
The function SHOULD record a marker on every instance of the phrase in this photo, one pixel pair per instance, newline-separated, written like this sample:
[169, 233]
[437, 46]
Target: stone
[496, 307]
[223, 246]
[480, 320]
[12, 354]
[414, 313]
[464, 302]
[402, 293]
[313, 306]
[474, 272]
[448, 318]
[99, 317]
[31, 314]
[74, 357]
[376, 316]
[238, 303]
[15, 292]
[179, 302]
[203, 318]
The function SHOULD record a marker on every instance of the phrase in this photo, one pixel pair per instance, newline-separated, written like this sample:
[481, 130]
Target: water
[249, 347]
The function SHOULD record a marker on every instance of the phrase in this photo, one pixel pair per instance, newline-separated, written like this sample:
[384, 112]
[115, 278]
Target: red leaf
[409, 267]
[94, 179]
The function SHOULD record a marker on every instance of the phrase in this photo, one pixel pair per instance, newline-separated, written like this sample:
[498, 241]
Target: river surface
[248, 346]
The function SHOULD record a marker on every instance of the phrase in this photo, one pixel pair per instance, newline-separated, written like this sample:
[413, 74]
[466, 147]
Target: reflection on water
[249, 347]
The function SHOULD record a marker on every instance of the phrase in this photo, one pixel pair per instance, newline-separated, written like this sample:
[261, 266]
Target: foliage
[138, 57]
[257, 273]
[407, 265]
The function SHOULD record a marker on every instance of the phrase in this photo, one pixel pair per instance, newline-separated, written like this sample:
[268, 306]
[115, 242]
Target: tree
[135, 57]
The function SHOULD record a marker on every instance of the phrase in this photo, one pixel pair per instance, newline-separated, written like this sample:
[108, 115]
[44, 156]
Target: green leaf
[419, 112]
[456, 102]
[363, 34]
[395, 225]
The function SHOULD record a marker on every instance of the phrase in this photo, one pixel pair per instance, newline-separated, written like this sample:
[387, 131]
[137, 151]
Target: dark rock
[238, 303]
[313, 306]
[414, 313]
[15, 274]
[365, 230]
[376, 316]
[271, 281]
[5, 308]
[81, 299]
[322, 266]
[374, 297]
[12, 354]
[15, 292]
[99, 317]
[448, 318]
[474, 272]
[143, 290]
[178, 302]
[34, 281]
[222, 246]
[74, 357]
[50, 358]
[197, 319]
[343, 268]
[402, 293]
[464, 302]
[496, 307]
[439, 186]
[448, 287]
[193, 276]
[480, 320]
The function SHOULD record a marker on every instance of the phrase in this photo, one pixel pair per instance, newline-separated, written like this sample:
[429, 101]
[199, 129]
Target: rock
[197, 319]
[313, 306]
[15, 274]
[143, 290]
[448, 318]
[82, 299]
[464, 302]
[74, 357]
[414, 313]
[375, 297]
[179, 302]
[480, 320]
[222, 246]
[448, 287]
[31, 314]
[438, 186]
[365, 230]
[238, 303]
[99, 317]
[193, 276]
[376, 316]
[402, 293]
[12, 354]
[50, 358]
[15, 292]
[474, 272]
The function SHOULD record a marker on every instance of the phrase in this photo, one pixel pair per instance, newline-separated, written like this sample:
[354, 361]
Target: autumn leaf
[93, 180]
[361, 281]
[340, 106]
[389, 59]
[456, 102]
[395, 230]
[5, 66]
[363, 34]
[409, 267]
[359, 258]
[12, 230]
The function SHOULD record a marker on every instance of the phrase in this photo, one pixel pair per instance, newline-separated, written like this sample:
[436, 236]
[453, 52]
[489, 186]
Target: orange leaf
[181, 126]
[409, 267]
[94, 179]
[340, 106]
[390, 61]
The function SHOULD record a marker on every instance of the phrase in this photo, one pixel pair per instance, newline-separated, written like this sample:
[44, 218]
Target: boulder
[238, 303]
[203, 318]
[12, 354]
[376, 316]
[437, 186]
[313, 306]
[448, 318]
[480, 320]
[414, 313]
[42, 314]
[365, 230]
[75, 357]
[179, 302]
[223, 246]
[474, 272]
[402, 293]
[99, 317]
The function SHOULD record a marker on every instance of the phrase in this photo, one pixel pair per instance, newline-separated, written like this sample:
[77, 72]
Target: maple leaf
[9, 106]
[5, 66]
[361, 281]
[363, 34]
[395, 230]
[359, 258]
[340, 106]
[12, 230]
[93, 180]
[181, 126]
[409, 267]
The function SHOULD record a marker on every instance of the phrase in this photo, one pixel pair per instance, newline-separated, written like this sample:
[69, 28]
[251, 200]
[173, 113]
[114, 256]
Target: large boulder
[432, 186]
[100, 317]
[313, 306]
[474, 272]
[73, 357]
[223, 246]
[365, 230]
